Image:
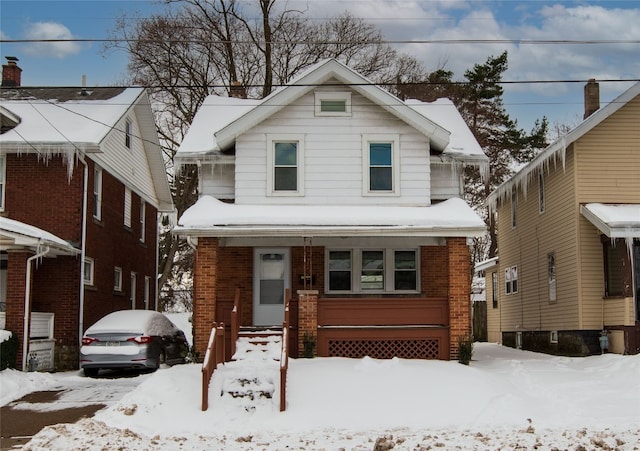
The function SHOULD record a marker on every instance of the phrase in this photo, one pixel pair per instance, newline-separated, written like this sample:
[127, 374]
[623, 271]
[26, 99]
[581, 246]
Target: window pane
[405, 259]
[380, 154]
[333, 106]
[380, 179]
[372, 276]
[339, 260]
[614, 265]
[405, 280]
[285, 179]
[272, 292]
[340, 280]
[285, 154]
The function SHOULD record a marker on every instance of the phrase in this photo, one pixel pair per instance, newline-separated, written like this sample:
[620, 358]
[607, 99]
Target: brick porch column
[204, 292]
[16, 287]
[307, 318]
[459, 292]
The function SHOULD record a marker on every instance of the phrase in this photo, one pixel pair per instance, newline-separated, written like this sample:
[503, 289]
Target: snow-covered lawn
[506, 399]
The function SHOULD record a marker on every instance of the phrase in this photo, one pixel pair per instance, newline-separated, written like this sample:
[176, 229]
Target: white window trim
[127, 207]
[3, 180]
[394, 139]
[356, 270]
[132, 297]
[147, 292]
[97, 192]
[510, 276]
[143, 220]
[319, 96]
[117, 278]
[271, 142]
[88, 279]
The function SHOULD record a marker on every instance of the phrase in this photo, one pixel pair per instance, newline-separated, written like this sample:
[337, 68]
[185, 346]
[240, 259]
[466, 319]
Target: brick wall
[16, 284]
[459, 292]
[41, 193]
[204, 292]
[434, 271]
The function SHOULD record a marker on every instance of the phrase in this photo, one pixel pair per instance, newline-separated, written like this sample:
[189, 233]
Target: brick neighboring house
[568, 223]
[346, 195]
[82, 182]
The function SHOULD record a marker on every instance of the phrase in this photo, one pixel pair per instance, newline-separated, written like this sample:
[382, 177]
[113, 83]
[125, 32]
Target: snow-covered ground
[506, 399]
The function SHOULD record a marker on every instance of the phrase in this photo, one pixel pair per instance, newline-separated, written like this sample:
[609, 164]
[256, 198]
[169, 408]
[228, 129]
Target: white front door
[272, 269]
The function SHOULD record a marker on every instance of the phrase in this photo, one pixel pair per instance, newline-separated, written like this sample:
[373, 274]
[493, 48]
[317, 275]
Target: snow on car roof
[147, 322]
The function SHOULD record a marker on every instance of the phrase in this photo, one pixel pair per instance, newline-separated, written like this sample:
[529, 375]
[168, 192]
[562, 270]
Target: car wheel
[162, 358]
[91, 372]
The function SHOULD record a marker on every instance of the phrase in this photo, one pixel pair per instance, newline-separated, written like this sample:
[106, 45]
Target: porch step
[258, 347]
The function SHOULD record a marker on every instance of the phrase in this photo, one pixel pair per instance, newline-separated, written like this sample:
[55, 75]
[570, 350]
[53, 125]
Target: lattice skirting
[385, 349]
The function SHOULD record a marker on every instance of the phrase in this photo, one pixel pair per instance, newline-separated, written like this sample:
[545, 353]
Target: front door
[271, 277]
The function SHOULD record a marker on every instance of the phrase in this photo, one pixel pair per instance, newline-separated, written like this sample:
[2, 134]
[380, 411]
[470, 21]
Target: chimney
[237, 90]
[11, 72]
[591, 97]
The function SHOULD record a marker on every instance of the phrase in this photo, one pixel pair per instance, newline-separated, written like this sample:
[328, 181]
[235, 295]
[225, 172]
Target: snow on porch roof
[211, 217]
[15, 233]
[614, 220]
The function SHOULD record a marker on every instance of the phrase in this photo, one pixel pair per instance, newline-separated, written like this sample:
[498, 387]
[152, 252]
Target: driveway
[72, 398]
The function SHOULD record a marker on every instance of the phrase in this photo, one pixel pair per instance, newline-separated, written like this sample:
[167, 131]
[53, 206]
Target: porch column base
[307, 323]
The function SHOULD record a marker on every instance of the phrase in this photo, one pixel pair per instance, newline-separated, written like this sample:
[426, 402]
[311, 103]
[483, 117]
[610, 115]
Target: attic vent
[329, 103]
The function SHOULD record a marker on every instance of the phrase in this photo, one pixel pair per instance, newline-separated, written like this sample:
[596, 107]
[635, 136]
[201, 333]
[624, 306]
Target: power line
[335, 42]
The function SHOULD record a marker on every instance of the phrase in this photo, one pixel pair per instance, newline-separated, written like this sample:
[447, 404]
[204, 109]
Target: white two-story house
[349, 197]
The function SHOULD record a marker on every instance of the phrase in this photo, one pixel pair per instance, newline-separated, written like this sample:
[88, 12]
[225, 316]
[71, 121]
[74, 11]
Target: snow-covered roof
[486, 264]
[16, 234]
[211, 217]
[614, 220]
[557, 150]
[83, 120]
[220, 120]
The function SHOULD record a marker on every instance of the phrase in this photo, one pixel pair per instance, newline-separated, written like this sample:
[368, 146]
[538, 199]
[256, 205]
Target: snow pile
[506, 399]
[15, 384]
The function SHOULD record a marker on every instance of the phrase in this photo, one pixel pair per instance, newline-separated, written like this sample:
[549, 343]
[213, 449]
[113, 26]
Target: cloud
[50, 30]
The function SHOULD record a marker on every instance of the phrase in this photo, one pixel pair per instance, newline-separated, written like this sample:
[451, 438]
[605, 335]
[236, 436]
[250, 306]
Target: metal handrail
[212, 357]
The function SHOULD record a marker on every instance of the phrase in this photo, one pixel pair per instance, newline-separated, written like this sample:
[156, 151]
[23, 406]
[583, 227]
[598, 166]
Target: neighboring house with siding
[349, 197]
[82, 182]
[569, 238]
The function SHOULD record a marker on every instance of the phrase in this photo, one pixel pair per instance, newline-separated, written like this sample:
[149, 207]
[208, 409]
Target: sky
[505, 399]
[407, 23]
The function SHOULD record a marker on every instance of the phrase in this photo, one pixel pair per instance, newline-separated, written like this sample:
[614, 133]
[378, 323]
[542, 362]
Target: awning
[18, 235]
[211, 217]
[614, 220]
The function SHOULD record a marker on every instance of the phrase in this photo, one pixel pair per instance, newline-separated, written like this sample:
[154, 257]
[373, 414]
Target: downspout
[83, 248]
[27, 306]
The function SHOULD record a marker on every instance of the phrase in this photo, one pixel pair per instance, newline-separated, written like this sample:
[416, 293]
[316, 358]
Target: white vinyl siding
[332, 155]
[3, 172]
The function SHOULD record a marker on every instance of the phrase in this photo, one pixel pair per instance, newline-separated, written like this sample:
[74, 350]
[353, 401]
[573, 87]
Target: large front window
[372, 270]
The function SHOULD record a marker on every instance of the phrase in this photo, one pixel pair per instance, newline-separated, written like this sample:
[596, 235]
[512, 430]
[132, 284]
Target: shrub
[9, 352]
[465, 349]
[309, 344]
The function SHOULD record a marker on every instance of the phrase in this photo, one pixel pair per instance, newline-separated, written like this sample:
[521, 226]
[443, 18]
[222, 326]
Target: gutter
[27, 306]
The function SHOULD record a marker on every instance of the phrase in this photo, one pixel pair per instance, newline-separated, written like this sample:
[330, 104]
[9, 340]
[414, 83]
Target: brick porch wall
[459, 292]
[16, 285]
[204, 292]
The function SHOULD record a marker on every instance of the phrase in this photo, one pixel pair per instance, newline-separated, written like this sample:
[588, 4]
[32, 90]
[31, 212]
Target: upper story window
[541, 193]
[3, 171]
[143, 220]
[329, 103]
[127, 207]
[511, 279]
[381, 165]
[285, 176]
[97, 193]
[372, 270]
[514, 207]
[117, 278]
[128, 130]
